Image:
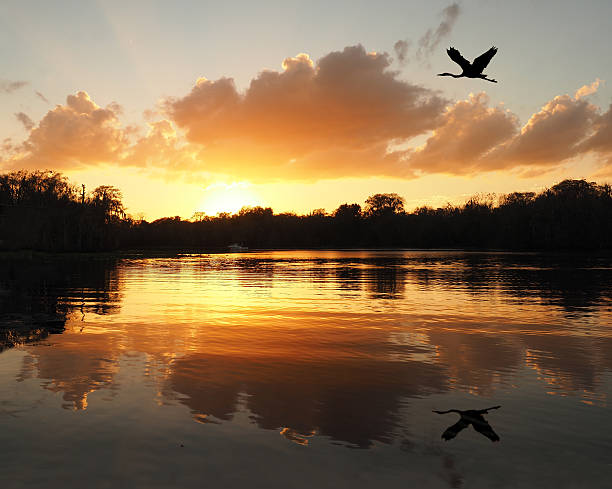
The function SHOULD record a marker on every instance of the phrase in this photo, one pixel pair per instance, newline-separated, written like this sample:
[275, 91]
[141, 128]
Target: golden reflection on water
[330, 343]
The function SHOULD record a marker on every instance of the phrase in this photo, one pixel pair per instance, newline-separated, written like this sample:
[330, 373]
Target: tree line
[42, 210]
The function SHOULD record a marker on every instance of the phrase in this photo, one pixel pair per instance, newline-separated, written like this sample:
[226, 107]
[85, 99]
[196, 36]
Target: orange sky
[318, 132]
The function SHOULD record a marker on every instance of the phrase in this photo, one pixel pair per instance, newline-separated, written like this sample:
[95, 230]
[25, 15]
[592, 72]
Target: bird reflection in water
[471, 417]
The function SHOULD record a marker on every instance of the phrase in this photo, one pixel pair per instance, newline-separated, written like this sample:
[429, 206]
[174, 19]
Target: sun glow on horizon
[224, 197]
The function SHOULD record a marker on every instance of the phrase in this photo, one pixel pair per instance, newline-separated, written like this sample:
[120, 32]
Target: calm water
[306, 369]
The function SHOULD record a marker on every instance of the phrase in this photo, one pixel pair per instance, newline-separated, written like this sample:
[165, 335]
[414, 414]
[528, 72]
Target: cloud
[71, 135]
[345, 115]
[332, 118]
[308, 121]
[468, 130]
[600, 142]
[401, 48]
[550, 136]
[7, 86]
[428, 43]
[25, 120]
[474, 138]
[7, 145]
[601, 139]
[161, 148]
[41, 96]
[588, 89]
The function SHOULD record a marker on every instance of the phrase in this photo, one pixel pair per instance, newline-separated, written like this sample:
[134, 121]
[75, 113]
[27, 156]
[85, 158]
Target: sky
[206, 107]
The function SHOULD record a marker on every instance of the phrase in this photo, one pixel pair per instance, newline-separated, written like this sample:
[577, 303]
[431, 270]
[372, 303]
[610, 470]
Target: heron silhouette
[473, 69]
[471, 417]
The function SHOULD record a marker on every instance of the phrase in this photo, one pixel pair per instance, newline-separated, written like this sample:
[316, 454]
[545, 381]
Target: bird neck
[450, 74]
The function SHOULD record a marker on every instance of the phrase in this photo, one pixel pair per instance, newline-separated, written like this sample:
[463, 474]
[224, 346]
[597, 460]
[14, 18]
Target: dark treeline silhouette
[43, 211]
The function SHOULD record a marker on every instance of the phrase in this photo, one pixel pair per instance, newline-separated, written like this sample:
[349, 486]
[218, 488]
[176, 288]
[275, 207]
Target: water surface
[305, 369]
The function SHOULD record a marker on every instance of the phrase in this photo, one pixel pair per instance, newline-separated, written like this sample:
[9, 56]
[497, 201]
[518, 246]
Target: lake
[306, 369]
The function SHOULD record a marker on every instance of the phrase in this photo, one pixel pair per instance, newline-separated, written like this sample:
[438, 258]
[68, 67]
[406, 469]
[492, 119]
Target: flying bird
[471, 417]
[473, 69]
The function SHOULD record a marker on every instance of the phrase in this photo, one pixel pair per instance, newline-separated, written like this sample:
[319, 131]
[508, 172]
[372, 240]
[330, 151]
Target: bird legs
[484, 77]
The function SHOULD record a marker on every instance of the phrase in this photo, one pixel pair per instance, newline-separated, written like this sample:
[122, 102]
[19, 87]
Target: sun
[223, 197]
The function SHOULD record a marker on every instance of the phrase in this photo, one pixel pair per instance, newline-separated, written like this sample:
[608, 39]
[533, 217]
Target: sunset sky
[209, 106]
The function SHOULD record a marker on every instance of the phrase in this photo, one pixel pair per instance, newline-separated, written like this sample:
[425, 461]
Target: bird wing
[455, 55]
[452, 431]
[484, 428]
[482, 61]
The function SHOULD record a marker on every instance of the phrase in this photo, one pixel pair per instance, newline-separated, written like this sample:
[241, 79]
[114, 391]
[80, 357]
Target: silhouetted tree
[384, 204]
[108, 199]
[348, 211]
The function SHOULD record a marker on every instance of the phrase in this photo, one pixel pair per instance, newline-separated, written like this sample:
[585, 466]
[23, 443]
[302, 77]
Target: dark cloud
[428, 43]
[25, 120]
[431, 39]
[401, 48]
[7, 145]
[7, 86]
[41, 96]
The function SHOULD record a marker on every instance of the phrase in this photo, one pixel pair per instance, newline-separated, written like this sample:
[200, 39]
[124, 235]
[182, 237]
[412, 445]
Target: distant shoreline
[176, 252]
[42, 211]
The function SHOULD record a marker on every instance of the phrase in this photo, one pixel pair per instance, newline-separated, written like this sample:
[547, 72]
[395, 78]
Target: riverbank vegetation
[43, 211]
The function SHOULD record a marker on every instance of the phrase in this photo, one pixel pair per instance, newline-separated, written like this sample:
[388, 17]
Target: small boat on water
[235, 247]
